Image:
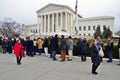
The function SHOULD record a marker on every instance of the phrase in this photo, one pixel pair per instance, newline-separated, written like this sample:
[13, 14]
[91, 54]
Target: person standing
[54, 46]
[84, 47]
[119, 51]
[23, 44]
[63, 47]
[110, 48]
[31, 48]
[45, 44]
[34, 46]
[95, 58]
[9, 45]
[27, 46]
[70, 48]
[0, 44]
[39, 45]
[100, 44]
[18, 51]
[50, 48]
[4, 45]
[79, 46]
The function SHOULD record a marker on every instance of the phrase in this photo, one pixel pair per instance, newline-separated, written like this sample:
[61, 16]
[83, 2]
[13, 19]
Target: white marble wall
[49, 23]
[54, 19]
[95, 21]
[31, 30]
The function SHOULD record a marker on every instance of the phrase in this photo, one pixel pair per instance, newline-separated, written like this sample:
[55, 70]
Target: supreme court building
[60, 19]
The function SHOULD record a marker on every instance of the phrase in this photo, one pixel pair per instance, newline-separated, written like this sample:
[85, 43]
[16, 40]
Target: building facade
[60, 19]
[56, 19]
[30, 30]
[87, 26]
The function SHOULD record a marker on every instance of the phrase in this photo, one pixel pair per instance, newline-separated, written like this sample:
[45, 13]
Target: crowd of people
[19, 45]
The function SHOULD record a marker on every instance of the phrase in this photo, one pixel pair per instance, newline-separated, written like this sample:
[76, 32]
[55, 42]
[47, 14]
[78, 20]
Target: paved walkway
[43, 68]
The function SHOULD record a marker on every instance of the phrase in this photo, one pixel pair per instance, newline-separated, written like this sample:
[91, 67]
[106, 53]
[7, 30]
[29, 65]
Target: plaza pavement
[43, 68]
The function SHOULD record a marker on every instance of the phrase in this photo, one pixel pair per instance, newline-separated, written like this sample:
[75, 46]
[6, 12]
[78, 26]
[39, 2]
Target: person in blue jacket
[96, 59]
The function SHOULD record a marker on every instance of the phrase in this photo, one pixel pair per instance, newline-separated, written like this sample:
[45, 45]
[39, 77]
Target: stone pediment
[51, 7]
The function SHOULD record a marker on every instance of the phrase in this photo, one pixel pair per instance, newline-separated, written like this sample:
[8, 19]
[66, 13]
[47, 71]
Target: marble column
[48, 23]
[72, 26]
[44, 23]
[53, 22]
[56, 21]
[70, 22]
[61, 20]
[66, 21]
[41, 24]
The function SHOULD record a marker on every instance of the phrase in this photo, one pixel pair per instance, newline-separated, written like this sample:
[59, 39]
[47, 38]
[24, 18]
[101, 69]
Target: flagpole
[76, 20]
[76, 24]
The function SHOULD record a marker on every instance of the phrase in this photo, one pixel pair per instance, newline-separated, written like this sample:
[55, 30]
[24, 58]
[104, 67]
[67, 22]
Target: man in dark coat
[45, 45]
[79, 46]
[54, 46]
[50, 49]
[4, 45]
[110, 49]
[9, 45]
[84, 48]
[29, 47]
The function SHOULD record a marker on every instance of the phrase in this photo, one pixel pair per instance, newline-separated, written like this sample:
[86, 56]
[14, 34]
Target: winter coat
[9, 42]
[70, 44]
[79, 45]
[39, 44]
[84, 46]
[18, 49]
[29, 45]
[45, 44]
[63, 45]
[94, 55]
[54, 44]
[4, 44]
[110, 46]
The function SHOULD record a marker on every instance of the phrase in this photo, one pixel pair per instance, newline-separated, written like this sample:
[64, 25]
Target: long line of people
[39, 45]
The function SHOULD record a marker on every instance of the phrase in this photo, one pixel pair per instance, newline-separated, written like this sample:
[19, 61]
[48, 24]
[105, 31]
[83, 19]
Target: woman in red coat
[18, 51]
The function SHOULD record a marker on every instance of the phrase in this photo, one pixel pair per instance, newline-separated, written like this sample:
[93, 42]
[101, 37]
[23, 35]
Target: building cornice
[96, 18]
[64, 6]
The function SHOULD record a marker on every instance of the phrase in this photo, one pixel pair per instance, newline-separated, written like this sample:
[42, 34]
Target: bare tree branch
[9, 27]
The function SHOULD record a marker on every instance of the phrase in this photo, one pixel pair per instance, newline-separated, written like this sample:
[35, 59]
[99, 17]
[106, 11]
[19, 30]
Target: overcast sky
[24, 11]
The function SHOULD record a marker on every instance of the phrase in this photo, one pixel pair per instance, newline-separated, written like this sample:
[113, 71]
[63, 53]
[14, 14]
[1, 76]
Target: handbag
[101, 53]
